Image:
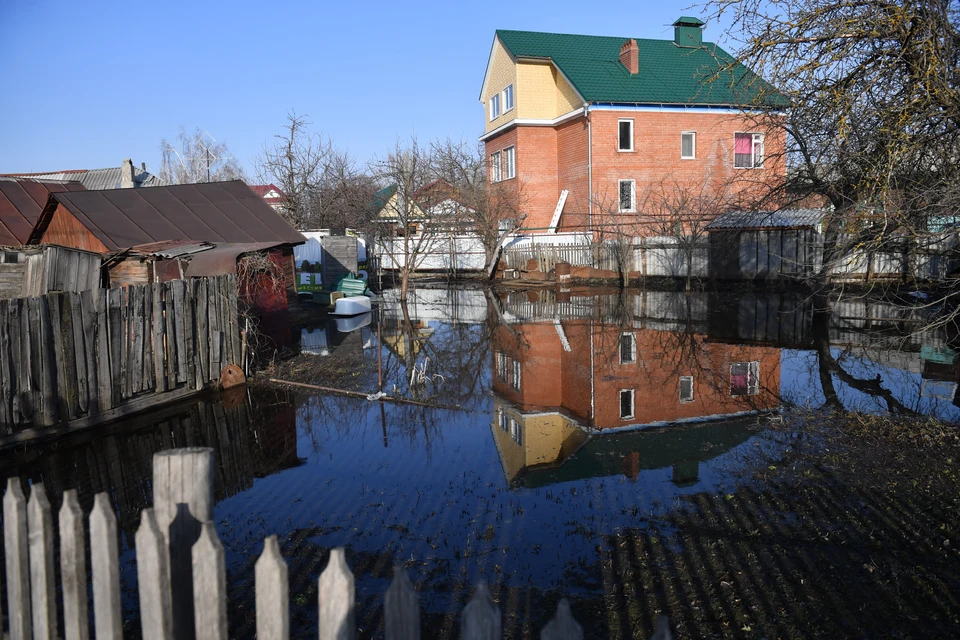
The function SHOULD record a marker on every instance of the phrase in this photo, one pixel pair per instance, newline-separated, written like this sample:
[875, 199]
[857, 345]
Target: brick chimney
[127, 174]
[630, 56]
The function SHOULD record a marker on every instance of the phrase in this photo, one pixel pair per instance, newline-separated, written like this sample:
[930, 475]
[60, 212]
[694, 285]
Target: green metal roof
[669, 74]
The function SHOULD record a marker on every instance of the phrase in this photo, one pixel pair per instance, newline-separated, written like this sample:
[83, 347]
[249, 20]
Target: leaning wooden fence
[66, 356]
[181, 572]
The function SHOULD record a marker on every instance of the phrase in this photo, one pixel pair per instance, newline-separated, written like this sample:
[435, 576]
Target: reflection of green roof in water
[603, 454]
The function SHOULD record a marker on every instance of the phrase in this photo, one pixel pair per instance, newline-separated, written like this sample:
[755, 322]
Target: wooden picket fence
[181, 572]
[66, 356]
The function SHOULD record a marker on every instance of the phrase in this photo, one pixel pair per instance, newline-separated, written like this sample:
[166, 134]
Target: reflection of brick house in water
[553, 380]
[606, 376]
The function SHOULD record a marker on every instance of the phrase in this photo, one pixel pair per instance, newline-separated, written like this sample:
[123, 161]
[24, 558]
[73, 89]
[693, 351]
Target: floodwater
[555, 423]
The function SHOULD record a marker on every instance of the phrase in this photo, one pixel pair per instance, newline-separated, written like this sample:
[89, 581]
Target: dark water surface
[568, 423]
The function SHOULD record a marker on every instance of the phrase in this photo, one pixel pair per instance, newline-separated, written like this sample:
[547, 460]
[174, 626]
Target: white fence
[653, 256]
[181, 572]
[439, 253]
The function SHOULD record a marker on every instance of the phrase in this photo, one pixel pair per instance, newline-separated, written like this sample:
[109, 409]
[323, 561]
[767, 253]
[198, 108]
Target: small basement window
[625, 135]
[626, 404]
[686, 388]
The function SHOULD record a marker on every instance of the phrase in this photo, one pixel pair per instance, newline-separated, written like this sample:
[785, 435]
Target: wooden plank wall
[68, 355]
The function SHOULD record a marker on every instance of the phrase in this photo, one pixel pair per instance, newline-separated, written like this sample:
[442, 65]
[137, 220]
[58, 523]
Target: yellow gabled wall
[547, 439]
[502, 72]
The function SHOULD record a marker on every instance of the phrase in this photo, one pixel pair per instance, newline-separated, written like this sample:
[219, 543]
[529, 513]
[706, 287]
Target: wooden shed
[747, 245]
[34, 271]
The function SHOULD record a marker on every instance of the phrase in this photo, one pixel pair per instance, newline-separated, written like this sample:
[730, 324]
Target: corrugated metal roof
[788, 218]
[206, 212]
[222, 259]
[21, 202]
[97, 178]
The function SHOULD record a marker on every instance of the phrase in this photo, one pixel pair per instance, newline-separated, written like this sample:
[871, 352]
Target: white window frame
[632, 146]
[753, 378]
[693, 136]
[502, 366]
[515, 379]
[633, 406]
[633, 348]
[494, 107]
[680, 391]
[509, 163]
[508, 98]
[756, 149]
[515, 432]
[633, 196]
[504, 422]
[496, 169]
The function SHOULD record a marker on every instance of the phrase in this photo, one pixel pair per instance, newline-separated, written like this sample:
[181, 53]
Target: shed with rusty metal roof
[21, 202]
[111, 220]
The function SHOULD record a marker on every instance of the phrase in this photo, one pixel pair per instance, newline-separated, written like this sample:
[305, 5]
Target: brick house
[588, 128]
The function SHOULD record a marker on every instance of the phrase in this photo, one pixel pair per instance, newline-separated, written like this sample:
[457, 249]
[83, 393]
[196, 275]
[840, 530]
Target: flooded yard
[728, 460]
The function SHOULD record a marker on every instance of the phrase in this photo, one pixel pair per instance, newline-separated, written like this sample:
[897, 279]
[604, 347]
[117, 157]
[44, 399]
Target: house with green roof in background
[613, 135]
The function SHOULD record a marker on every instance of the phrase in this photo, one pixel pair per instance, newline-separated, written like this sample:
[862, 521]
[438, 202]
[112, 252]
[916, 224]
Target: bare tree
[873, 126]
[402, 235]
[197, 157]
[492, 211]
[295, 162]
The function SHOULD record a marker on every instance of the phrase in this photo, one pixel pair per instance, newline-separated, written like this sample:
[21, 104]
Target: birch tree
[197, 157]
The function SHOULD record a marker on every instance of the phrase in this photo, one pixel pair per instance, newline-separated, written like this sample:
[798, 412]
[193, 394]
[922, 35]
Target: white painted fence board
[210, 585]
[273, 599]
[153, 579]
[43, 588]
[481, 617]
[16, 552]
[105, 566]
[73, 569]
[335, 595]
[402, 608]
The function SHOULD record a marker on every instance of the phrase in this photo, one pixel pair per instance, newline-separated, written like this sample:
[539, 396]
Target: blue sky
[90, 83]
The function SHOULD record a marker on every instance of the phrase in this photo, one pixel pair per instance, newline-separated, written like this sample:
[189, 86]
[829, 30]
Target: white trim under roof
[532, 122]
[678, 108]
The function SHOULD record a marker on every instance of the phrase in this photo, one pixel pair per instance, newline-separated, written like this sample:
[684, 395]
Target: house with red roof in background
[271, 194]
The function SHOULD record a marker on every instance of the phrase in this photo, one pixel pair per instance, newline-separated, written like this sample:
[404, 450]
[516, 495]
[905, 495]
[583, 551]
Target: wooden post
[73, 569]
[335, 595]
[273, 597]
[43, 588]
[402, 608]
[18, 561]
[182, 499]
[210, 585]
[153, 580]
[104, 559]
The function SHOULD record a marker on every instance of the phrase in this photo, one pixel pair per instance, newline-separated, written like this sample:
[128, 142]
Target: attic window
[625, 129]
[495, 106]
[508, 98]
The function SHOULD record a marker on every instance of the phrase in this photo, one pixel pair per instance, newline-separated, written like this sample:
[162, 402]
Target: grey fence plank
[402, 608]
[104, 381]
[105, 564]
[335, 595]
[43, 588]
[180, 321]
[75, 318]
[273, 598]
[663, 629]
[15, 547]
[562, 626]
[481, 617]
[210, 585]
[88, 311]
[6, 414]
[170, 336]
[73, 569]
[156, 318]
[182, 499]
[153, 579]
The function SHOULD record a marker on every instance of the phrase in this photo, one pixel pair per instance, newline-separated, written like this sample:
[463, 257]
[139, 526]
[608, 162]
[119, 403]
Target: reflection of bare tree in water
[828, 366]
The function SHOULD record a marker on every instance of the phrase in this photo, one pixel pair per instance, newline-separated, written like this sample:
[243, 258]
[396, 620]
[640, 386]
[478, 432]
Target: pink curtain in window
[742, 143]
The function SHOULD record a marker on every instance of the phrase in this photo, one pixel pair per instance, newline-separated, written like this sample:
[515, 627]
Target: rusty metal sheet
[171, 248]
[21, 202]
[223, 259]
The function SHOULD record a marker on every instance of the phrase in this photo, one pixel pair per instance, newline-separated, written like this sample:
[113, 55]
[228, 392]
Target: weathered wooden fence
[181, 571]
[69, 356]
